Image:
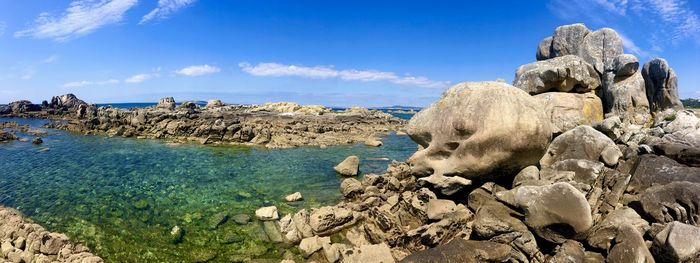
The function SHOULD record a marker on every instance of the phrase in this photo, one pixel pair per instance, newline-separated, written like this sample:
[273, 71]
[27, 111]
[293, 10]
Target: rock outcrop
[457, 134]
[23, 241]
[564, 74]
[661, 85]
[569, 110]
[273, 125]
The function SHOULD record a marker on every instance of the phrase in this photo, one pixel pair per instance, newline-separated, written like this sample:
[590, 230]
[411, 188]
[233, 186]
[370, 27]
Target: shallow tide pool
[122, 196]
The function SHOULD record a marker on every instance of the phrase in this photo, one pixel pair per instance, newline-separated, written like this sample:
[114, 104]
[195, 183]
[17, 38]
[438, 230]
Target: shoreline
[272, 125]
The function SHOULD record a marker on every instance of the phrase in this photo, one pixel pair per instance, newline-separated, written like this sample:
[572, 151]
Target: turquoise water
[122, 196]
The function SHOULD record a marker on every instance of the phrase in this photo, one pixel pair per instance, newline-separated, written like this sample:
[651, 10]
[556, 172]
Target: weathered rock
[629, 247]
[530, 173]
[348, 167]
[676, 201]
[627, 98]
[241, 219]
[661, 85]
[166, 103]
[567, 39]
[214, 104]
[437, 209]
[460, 250]
[625, 65]
[67, 102]
[351, 187]
[599, 48]
[456, 132]
[333, 252]
[603, 233]
[293, 197]
[582, 142]
[565, 74]
[677, 242]
[585, 171]
[328, 219]
[556, 212]
[569, 110]
[660, 170]
[544, 49]
[267, 213]
[373, 143]
[380, 253]
[217, 219]
[23, 106]
[569, 252]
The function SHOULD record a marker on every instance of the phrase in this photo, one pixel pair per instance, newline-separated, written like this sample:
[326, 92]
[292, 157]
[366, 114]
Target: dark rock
[661, 85]
[37, 140]
[217, 219]
[660, 170]
[460, 250]
[676, 201]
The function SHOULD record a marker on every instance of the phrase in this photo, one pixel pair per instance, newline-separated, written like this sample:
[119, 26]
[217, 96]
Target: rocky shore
[585, 158]
[273, 125]
[23, 241]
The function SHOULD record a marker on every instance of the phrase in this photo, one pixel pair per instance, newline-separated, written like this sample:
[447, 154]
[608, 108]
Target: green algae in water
[122, 197]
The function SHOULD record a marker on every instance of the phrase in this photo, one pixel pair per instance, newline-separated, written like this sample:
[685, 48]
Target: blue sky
[340, 53]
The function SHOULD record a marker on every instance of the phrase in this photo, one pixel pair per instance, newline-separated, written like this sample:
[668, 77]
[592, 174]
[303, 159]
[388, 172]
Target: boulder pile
[24, 241]
[273, 125]
[584, 159]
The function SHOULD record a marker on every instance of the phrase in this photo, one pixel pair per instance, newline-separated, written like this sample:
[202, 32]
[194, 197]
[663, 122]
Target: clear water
[94, 189]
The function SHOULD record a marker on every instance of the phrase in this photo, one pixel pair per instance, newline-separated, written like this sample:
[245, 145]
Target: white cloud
[280, 70]
[84, 83]
[2, 28]
[138, 78]
[80, 18]
[328, 72]
[165, 8]
[198, 70]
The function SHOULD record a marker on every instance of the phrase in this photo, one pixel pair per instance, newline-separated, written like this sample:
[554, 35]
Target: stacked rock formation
[536, 172]
[23, 241]
[273, 125]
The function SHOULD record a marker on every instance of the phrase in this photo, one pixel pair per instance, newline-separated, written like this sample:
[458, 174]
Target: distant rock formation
[274, 125]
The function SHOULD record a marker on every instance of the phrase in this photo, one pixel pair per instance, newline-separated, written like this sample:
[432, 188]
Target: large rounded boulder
[478, 129]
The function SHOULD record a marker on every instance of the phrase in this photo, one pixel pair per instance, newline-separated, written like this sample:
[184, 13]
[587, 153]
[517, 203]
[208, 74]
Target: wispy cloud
[83, 83]
[329, 72]
[28, 71]
[664, 21]
[2, 28]
[280, 70]
[630, 46]
[198, 70]
[82, 17]
[165, 8]
[138, 78]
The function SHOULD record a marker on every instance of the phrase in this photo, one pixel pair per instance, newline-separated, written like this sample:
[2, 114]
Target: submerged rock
[176, 234]
[293, 197]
